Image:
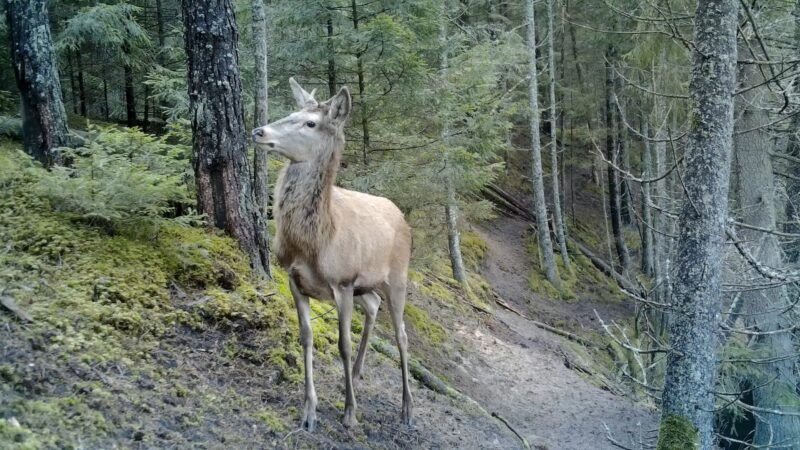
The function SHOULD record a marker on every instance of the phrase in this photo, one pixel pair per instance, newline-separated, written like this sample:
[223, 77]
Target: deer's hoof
[349, 419]
[309, 422]
[405, 417]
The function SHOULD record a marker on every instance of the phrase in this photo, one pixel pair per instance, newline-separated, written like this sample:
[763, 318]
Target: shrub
[122, 179]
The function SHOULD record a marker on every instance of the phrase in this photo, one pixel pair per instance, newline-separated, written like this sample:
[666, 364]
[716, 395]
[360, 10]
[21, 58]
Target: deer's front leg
[307, 342]
[344, 304]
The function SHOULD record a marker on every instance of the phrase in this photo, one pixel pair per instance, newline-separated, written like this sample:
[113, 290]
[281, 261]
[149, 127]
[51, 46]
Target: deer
[335, 244]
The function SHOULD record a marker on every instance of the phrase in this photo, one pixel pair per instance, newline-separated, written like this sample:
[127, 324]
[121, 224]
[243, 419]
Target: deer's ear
[340, 105]
[303, 98]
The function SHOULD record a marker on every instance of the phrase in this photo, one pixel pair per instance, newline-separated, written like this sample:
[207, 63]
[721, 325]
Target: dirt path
[518, 370]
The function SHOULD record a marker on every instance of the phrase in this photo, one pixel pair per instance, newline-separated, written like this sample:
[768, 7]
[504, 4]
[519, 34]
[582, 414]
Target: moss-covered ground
[165, 338]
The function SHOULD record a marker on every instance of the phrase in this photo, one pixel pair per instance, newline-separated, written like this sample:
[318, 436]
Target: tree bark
[775, 384]
[793, 149]
[44, 120]
[540, 208]
[260, 156]
[451, 207]
[558, 218]
[219, 140]
[688, 401]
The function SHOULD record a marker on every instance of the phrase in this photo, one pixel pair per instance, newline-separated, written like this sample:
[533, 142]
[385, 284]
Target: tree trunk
[793, 148]
[260, 157]
[558, 218]
[688, 401]
[130, 99]
[766, 309]
[106, 109]
[612, 152]
[361, 90]
[219, 139]
[540, 208]
[72, 85]
[647, 215]
[451, 207]
[81, 85]
[331, 56]
[44, 120]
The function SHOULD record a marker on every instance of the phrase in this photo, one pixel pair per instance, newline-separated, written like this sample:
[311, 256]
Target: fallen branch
[525, 443]
[623, 282]
[542, 325]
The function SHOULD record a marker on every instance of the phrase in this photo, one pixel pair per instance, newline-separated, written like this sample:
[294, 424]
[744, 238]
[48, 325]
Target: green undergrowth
[582, 278]
[107, 302]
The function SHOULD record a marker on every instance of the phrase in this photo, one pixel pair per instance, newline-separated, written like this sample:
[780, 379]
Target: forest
[414, 224]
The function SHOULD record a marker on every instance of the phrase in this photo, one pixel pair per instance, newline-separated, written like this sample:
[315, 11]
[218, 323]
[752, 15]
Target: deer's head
[302, 135]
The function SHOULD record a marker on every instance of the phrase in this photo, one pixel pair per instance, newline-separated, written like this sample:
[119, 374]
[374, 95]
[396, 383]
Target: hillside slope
[167, 340]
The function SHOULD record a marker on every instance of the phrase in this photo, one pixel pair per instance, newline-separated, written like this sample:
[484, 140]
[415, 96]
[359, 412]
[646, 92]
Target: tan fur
[335, 243]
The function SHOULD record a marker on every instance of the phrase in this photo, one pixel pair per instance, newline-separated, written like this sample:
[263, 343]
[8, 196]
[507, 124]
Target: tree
[540, 208]
[765, 310]
[44, 120]
[260, 157]
[451, 207]
[219, 140]
[613, 119]
[558, 218]
[688, 401]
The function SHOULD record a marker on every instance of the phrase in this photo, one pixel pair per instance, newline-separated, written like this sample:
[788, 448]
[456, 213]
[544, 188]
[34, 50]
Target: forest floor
[171, 343]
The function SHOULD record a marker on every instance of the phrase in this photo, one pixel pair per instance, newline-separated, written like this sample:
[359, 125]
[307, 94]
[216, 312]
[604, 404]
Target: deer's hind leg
[371, 302]
[307, 342]
[397, 304]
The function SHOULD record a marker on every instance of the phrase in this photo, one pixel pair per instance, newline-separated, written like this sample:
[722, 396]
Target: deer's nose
[259, 132]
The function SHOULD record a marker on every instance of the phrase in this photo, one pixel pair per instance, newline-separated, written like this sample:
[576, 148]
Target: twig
[544, 326]
[505, 422]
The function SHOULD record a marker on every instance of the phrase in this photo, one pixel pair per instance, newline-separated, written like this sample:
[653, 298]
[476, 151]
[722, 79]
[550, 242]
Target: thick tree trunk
[44, 120]
[612, 152]
[793, 148]
[451, 207]
[688, 401]
[219, 138]
[540, 208]
[260, 157]
[558, 218]
[764, 309]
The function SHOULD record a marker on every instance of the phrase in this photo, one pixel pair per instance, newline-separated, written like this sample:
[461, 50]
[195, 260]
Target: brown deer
[335, 244]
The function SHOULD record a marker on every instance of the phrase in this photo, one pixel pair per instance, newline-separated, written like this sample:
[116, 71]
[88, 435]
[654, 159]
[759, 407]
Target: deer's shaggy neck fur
[303, 199]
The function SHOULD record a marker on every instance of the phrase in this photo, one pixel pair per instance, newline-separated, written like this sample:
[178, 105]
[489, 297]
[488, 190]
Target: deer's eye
[311, 124]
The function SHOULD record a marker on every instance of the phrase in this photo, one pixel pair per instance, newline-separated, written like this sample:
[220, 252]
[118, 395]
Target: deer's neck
[304, 200]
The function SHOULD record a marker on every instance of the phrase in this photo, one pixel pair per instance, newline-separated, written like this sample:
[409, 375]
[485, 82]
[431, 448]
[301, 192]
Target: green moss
[272, 421]
[677, 433]
[473, 249]
[13, 435]
[423, 325]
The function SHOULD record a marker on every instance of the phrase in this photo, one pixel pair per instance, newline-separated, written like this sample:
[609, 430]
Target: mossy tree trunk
[691, 363]
[539, 207]
[219, 139]
[44, 120]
